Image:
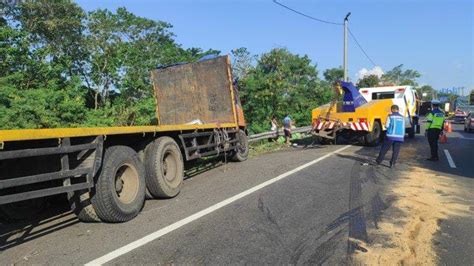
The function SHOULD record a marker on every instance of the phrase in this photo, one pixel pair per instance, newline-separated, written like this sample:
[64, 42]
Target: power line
[360, 46]
[328, 22]
[308, 16]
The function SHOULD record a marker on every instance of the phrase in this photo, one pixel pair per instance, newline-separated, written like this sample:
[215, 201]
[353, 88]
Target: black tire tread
[156, 185]
[81, 206]
[369, 138]
[237, 156]
[103, 201]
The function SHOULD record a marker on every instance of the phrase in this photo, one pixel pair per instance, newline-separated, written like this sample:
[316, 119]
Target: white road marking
[462, 137]
[450, 159]
[170, 228]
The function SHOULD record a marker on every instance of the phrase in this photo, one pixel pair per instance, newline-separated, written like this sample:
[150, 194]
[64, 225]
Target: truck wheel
[164, 168]
[120, 189]
[373, 138]
[148, 194]
[241, 153]
[80, 203]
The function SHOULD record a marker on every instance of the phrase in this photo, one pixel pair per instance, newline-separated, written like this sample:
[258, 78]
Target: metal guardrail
[274, 134]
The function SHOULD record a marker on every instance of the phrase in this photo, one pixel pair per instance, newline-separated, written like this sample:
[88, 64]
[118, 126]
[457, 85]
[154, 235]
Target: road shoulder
[421, 201]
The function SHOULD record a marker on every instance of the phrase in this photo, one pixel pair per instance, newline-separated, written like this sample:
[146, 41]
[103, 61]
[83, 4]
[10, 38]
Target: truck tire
[81, 206]
[148, 194]
[141, 155]
[164, 168]
[241, 153]
[373, 138]
[120, 188]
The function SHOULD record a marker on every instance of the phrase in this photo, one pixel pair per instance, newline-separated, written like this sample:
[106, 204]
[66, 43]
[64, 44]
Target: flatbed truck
[107, 172]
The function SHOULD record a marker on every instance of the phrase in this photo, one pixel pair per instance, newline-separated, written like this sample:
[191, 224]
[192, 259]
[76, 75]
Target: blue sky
[432, 36]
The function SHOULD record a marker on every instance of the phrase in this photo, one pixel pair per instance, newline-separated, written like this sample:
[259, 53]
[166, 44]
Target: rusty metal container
[195, 93]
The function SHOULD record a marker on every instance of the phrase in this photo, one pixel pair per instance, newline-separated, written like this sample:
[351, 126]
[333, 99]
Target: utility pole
[346, 20]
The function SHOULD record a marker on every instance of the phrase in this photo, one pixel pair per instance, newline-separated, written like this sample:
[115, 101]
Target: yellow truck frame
[106, 172]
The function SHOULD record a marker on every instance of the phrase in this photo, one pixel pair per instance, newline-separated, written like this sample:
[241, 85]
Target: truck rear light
[362, 120]
[364, 91]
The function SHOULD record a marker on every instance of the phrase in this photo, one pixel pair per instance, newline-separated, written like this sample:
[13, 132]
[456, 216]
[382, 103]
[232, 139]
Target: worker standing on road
[435, 122]
[395, 135]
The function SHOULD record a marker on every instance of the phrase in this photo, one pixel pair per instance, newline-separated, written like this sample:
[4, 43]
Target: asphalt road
[455, 241]
[306, 216]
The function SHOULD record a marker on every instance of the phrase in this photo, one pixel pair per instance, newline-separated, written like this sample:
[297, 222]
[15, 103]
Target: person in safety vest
[434, 125]
[395, 135]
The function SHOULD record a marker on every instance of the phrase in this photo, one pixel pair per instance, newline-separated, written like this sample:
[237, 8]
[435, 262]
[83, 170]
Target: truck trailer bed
[52, 133]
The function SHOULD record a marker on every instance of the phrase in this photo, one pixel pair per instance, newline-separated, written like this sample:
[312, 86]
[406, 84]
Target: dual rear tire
[125, 180]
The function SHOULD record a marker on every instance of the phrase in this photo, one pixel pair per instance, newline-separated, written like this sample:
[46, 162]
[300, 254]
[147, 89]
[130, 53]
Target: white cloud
[378, 71]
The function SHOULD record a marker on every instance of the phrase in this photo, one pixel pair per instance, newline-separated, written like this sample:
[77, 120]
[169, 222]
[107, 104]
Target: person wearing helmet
[434, 125]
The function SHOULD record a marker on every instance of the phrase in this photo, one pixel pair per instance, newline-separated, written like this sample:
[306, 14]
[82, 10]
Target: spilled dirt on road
[421, 198]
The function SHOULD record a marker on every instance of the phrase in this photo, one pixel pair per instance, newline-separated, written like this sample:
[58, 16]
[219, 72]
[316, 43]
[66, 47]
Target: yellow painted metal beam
[51, 133]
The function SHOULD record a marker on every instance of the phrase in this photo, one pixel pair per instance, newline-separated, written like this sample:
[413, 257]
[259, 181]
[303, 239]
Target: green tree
[281, 83]
[332, 75]
[123, 49]
[62, 67]
[368, 81]
[398, 76]
[35, 88]
[56, 28]
[425, 89]
[242, 62]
